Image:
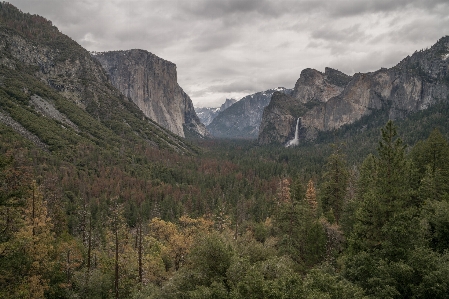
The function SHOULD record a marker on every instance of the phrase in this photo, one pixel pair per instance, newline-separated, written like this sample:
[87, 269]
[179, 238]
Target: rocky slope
[151, 82]
[242, 119]
[53, 88]
[414, 84]
[207, 115]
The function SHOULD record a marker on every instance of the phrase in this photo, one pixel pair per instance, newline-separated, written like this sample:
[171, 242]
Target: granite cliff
[314, 86]
[242, 119]
[47, 81]
[333, 99]
[151, 83]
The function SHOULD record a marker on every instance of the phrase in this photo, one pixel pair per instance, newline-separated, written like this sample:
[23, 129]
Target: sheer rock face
[334, 100]
[151, 82]
[278, 120]
[313, 85]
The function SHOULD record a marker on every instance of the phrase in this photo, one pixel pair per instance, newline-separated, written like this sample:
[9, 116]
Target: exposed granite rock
[228, 103]
[313, 85]
[10, 122]
[279, 119]
[32, 48]
[47, 109]
[242, 119]
[151, 82]
[207, 115]
[414, 84]
[68, 75]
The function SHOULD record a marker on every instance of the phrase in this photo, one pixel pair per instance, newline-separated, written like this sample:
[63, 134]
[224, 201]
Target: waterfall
[294, 141]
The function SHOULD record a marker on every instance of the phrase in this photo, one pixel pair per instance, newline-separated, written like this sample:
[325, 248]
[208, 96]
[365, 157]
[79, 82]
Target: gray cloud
[349, 34]
[226, 48]
[368, 62]
[225, 8]
[345, 8]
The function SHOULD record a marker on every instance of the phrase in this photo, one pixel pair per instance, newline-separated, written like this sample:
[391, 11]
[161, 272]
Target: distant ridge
[242, 119]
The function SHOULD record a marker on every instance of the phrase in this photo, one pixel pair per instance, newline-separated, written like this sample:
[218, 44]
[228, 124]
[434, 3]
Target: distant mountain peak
[207, 115]
[242, 119]
[228, 103]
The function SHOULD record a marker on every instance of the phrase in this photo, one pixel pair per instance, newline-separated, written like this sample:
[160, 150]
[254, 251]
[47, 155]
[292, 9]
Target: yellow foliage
[36, 239]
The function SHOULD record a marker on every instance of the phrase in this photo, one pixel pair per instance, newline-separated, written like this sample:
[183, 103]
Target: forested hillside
[38, 61]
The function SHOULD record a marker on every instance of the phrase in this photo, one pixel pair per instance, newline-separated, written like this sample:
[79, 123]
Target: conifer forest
[237, 222]
[99, 201]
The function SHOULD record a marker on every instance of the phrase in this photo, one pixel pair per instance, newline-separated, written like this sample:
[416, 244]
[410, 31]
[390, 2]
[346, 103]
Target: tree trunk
[116, 265]
[140, 251]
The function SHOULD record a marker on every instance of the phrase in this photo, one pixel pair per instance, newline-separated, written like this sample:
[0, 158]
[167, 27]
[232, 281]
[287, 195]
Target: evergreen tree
[301, 235]
[385, 196]
[310, 198]
[387, 228]
[333, 191]
[431, 159]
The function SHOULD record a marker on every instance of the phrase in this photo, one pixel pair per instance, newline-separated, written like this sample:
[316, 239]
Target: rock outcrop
[334, 99]
[151, 83]
[207, 115]
[242, 119]
[314, 86]
[279, 119]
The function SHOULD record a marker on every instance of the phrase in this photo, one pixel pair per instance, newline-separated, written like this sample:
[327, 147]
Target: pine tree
[392, 180]
[384, 198]
[335, 185]
[310, 197]
[117, 234]
[431, 159]
[386, 227]
[301, 235]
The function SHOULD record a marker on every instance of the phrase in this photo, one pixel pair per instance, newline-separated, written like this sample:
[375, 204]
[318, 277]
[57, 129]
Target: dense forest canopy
[238, 221]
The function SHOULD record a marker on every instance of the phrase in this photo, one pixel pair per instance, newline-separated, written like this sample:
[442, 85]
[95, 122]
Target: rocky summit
[327, 101]
[207, 114]
[242, 119]
[151, 83]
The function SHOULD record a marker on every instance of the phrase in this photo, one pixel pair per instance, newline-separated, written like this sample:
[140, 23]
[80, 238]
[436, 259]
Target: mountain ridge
[415, 83]
[242, 119]
[207, 114]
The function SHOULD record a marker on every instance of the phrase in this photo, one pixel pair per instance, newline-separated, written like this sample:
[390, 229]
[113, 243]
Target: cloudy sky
[231, 48]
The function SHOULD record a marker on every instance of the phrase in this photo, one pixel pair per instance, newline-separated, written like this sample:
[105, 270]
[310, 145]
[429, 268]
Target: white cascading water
[294, 141]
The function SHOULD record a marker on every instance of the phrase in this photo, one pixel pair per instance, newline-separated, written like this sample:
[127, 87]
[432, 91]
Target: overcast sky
[231, 48]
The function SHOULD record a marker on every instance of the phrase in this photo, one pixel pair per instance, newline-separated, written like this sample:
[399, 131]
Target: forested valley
[98, 200]
[234, 220]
